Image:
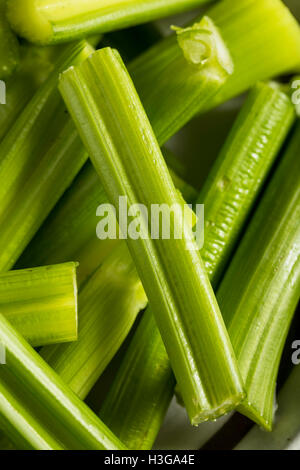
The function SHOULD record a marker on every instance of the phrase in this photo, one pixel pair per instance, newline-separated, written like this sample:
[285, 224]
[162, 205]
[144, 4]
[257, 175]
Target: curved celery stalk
[187, 71]
[251, 148]
[286, 432]
[39, 157]
[41, 303]
[108, 304]
[202, 359]
[265, 273]
[9, 46]
[240, 171]
[38, 390]
[48, 21]
[262, 37]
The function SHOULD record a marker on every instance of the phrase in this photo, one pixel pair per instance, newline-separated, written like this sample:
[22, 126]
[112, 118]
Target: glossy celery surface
[9, 46]
[266, 276]
[48, 21]
[202, 357]
[240, 171]
[108, 304]
[263, 39]
[37, 409]
[286, 432]
[250, 150]
[187, 69]
[39, 157]
[41, 303]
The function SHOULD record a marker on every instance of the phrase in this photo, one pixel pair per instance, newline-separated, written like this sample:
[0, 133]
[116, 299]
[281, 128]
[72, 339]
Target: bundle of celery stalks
[99, 335]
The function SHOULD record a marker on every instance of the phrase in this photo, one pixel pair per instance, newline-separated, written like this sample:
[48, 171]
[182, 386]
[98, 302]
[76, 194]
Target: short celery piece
[50, 21]
[41, 303]
[9, 46]
[241, 170]
[201, 355]
[252, 146]
[187, 70]
[39, 157]
[265, 273]
[108, 304]
[286, 432]
[262, 37]
[38, 409]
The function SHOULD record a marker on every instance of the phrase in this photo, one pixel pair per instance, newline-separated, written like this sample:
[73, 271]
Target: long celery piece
[286, 432]
[9, 46]
[201, 356]
[262, 37]
[37, 389]
[265, 273]
[39, 157]
[108, 304]
[253, 144]
[50, 21]
[41, 303]
[240, 171]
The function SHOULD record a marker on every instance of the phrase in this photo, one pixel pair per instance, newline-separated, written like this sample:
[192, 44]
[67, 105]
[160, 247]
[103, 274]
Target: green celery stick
[50, 21]
[41, 303]
[265, 273]
[201, 356]
[251, 148]
[38, 408]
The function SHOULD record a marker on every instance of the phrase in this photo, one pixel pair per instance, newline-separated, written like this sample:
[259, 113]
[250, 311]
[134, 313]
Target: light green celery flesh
[263, 39]
[38, 407]
[48, 21]
[9, 46]
[172, 274]
[266, 277]
[108, 304]
[248, 153]
[286, 432]
[39, 157]
[36, 63]
[41, 303]
[240, 172]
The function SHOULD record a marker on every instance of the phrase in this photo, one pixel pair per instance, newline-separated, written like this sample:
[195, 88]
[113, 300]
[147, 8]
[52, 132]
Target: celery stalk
[41, 303]
[39, 157]
[265, 273]
[250, 150]
[202, 359]
[50, 21]
[9, 46]
[36, 407]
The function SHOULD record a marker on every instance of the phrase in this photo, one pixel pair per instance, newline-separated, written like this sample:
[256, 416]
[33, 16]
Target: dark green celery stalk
[9, 46]
[108, 306]
[37, 409]
[180, 292]
[265, 273]
[251, 148]
[49, 21]
[39, 157]
[41, 303]
[262, 37]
